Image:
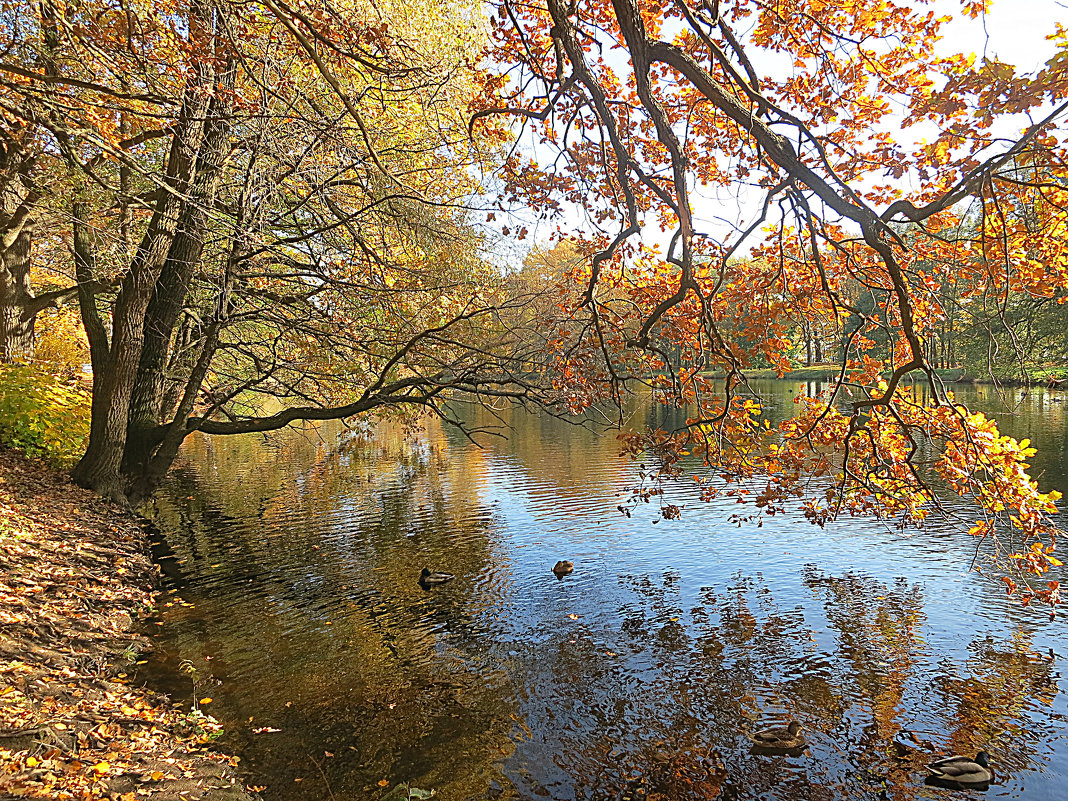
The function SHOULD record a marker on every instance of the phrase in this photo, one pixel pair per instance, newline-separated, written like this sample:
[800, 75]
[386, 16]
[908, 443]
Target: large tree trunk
[167, 439]
[172, 287]
[100, 468]
[18, 309]
[174, 238]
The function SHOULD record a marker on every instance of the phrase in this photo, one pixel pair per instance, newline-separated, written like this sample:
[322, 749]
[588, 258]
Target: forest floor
[76, 584]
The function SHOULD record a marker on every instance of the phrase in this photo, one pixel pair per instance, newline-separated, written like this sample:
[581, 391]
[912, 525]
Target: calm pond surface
[297, 557]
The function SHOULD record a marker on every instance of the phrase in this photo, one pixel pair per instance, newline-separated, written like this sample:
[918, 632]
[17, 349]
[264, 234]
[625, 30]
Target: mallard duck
[785, 738]
[563, 568]
[962, 769]
[428, 579]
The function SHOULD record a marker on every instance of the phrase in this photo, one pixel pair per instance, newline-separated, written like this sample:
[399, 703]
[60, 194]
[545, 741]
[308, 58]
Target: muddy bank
[76, 585]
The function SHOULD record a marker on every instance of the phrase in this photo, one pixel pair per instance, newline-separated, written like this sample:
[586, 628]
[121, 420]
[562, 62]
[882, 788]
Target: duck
[962, 770]
[428, 579]
[785, 738]
[563, 568]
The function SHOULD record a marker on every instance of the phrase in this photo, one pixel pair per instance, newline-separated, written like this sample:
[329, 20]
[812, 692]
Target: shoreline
[949, 375]
[76, 586]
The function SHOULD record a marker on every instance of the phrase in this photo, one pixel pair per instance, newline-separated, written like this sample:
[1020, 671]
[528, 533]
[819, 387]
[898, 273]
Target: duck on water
[428, 579]
[779, 738]
[961, 772]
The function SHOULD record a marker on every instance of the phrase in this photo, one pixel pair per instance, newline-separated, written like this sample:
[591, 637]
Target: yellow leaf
[206, 700]
[383, 782]
[102, 767]
[31, 762]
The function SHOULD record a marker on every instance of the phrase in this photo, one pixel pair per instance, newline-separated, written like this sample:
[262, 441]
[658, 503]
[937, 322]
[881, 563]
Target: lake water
[296, 558]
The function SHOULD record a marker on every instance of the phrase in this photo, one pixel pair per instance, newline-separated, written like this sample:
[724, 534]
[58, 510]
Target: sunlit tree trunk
[16, 300]
[172, 287]
[100, 467]
[18, 305]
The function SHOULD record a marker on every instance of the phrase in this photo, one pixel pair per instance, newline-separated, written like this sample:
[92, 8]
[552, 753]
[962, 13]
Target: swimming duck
[785, 738]
[428, 579]
[563, 568]
[962, 770]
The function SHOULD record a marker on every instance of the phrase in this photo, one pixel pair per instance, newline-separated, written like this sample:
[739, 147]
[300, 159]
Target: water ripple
[635, 677]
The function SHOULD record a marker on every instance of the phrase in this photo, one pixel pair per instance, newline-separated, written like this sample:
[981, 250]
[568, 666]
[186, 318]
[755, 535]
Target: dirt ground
[75, 584]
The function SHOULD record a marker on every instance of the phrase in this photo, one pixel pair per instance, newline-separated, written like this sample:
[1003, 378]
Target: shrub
[43, 414]
[60, 342]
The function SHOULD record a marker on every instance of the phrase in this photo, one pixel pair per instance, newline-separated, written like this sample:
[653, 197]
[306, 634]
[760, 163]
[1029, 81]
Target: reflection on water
[636, 677]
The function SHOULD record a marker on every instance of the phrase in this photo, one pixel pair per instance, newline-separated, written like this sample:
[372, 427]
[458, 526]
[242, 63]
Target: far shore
[1049, 377]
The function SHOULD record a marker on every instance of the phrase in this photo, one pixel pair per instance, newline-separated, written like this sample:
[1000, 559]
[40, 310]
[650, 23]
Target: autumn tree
[792, 109]
[269, 215]
[1006, 325]
[21, 193]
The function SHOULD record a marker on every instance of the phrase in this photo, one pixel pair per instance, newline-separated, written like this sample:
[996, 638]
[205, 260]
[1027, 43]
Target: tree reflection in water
[662, 716]
[625, 680]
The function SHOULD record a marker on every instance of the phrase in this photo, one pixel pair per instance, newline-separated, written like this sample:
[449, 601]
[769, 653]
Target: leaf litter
[75, 583]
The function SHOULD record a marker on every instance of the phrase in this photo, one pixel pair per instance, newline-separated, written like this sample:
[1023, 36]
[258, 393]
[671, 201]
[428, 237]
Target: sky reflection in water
[636, 677]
